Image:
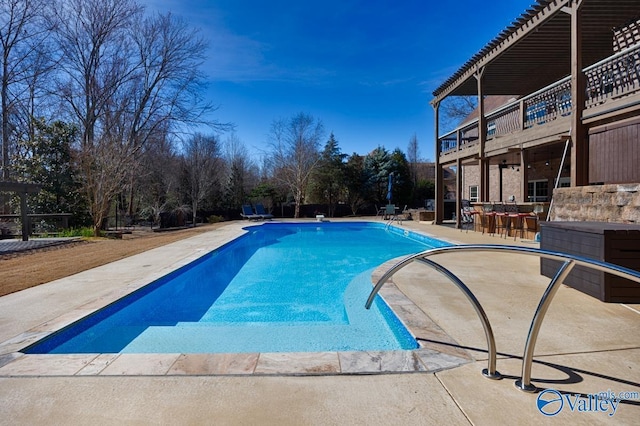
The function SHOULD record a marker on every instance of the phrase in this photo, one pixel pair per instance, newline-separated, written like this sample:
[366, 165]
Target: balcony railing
[614, 77]
[548, 104]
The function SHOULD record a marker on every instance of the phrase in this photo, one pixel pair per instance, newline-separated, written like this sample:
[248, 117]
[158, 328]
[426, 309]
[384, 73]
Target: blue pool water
[282, 287]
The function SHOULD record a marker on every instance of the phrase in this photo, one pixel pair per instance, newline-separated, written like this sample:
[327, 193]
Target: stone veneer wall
[601, 203]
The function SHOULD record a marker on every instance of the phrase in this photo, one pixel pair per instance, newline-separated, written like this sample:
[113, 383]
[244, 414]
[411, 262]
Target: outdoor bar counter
[532, 215]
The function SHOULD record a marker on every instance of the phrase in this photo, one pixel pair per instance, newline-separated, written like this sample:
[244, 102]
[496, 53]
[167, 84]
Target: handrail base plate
[525, 388]
[493, 376]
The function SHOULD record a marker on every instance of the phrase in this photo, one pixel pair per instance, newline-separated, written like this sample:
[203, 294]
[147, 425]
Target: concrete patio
[585, 346]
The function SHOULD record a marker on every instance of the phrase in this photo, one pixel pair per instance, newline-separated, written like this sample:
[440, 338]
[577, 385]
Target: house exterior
[566, 131]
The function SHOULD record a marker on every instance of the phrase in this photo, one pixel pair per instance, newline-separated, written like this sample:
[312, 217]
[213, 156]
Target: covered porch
[569, 75]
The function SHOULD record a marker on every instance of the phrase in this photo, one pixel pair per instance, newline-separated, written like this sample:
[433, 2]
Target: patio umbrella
[389, 186]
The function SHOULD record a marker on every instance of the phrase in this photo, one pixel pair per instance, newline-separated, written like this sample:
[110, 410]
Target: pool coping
[429, 357]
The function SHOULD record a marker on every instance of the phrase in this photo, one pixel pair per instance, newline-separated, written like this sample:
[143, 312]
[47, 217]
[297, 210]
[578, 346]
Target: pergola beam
[508, 38]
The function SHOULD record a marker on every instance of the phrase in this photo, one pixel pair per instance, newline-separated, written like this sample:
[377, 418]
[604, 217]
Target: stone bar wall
[601, 203]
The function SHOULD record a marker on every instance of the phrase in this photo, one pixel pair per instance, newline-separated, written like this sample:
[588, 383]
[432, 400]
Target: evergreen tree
[235, 194]
[240, 174]
[402, 184]
[356, 180]
[267, 194]
[328, 180]
[378, 166]
[46, 159]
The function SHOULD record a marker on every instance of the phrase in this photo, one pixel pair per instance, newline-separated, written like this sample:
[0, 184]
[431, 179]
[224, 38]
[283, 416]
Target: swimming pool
[282, 287]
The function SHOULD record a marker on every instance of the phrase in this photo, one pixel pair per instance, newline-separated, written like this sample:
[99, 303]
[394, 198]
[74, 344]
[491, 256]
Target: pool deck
[585, 346]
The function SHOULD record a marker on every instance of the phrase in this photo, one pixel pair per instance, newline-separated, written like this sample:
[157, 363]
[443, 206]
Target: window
[538, 190]
[473, 193]
[564, 182]
[491, 128]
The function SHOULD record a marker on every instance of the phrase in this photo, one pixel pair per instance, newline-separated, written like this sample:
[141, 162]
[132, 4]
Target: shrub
[215, 219]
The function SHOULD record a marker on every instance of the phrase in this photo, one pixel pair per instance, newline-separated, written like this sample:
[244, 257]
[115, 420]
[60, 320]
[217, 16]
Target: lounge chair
[405, 214]
[260, 211]
[247, 213]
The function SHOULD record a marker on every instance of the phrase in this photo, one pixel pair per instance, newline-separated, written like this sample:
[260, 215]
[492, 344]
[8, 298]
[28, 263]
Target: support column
[483, 162]
[439, 188]
[501, 168]
[524, 183]
[579, 136]
[458, 191]
[23, 216]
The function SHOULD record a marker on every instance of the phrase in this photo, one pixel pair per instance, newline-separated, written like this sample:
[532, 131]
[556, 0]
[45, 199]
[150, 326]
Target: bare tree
[295, 153]
[455, 109]
[167, 84]
[156, 184]
[93, 38]
[23, 30]
[201, 166]
[126, 79]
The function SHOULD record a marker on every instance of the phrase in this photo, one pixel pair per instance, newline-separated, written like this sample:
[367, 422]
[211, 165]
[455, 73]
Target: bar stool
[511, 211]
[488, 218]
[501, 219]
[516, 220]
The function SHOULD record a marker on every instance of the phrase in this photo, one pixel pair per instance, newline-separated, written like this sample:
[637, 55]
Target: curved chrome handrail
[569, 261]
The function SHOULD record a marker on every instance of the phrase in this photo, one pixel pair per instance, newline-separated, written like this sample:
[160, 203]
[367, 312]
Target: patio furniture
[467, 215]
[501, 219]
[390, 212]
[260, 211]
[515, 220]
[247, 213]
[488, 219]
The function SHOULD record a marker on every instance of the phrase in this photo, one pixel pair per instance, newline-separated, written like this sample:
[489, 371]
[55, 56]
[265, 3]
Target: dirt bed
[19, 271]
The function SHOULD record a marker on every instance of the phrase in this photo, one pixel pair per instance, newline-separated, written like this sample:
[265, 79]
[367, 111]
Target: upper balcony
[612, 86]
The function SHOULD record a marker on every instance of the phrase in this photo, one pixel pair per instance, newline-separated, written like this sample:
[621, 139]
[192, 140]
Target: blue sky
[366, 68]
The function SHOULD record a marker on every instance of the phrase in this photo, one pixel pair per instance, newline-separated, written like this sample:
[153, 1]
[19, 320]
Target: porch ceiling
[535, 50]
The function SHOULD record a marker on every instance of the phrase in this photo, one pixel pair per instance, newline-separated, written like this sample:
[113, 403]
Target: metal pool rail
[569, 261]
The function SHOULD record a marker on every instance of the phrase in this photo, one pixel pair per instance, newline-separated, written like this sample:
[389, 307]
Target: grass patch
[85, 232]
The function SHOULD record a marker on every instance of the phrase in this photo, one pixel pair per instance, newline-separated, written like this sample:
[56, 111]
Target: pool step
[242, 338]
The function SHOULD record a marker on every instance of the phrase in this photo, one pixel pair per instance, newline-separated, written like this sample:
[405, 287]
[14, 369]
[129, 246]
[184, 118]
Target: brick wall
[510, 182]
[471, 176]
[601, 203]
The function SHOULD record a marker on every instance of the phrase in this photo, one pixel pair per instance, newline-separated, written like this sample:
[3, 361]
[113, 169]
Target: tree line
[99, 106]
